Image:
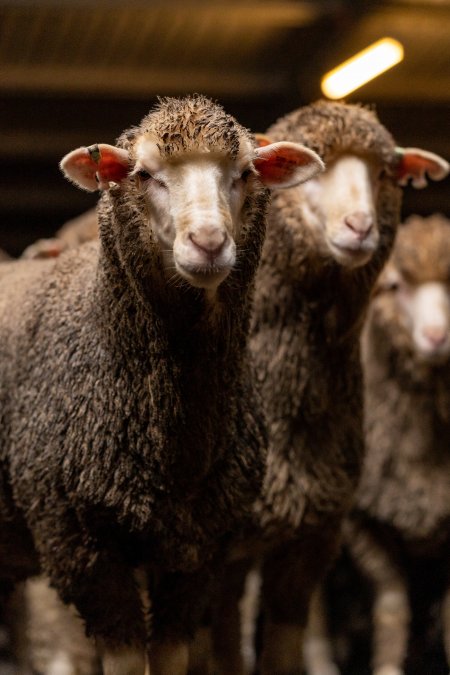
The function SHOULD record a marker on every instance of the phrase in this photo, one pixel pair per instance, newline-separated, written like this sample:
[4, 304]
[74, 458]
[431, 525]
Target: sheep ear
[95, 167]
[262, 140]
[415, 163]
[284, 164]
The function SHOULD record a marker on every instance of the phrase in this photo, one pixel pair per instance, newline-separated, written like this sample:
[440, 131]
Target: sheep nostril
[211, 244]
[360, 223]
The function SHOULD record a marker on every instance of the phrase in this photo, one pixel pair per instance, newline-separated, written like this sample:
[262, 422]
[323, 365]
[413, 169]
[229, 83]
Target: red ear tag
[109, 169]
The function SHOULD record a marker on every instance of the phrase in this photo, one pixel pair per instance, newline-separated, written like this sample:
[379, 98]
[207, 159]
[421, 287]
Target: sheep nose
[360, 222]
[436, 335]
[209, 241]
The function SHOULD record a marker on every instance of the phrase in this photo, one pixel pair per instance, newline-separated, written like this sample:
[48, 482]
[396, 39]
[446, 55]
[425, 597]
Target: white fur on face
[428, 309]
[342, 209]
[195, 204]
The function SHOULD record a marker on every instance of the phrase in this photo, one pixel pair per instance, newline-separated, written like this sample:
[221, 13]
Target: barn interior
[75, 72]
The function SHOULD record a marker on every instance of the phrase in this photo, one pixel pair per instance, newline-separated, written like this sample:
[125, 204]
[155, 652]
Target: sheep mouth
[203, 276]
[433, 356]
[355, 254]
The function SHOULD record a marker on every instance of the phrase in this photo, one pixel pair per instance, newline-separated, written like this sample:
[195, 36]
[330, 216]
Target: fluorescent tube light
[361, 68]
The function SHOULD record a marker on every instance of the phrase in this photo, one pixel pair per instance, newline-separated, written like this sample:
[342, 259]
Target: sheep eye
[245, 174]
[143, 174]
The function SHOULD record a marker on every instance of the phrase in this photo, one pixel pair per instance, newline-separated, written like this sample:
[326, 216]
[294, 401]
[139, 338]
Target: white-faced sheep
[325, 246]
[402, 511]
[130, 432]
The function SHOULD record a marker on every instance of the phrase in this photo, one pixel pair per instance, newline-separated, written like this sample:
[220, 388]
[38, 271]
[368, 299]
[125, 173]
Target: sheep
[327, 241]
[402, 508]
[74, 232]
[130, 432]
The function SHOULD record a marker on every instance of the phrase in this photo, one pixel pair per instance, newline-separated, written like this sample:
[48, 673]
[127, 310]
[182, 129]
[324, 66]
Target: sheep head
[412, 296]
[341, 206]
[195, 168]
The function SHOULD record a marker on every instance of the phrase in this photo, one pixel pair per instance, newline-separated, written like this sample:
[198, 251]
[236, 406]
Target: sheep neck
[305, 340]
[187, 352]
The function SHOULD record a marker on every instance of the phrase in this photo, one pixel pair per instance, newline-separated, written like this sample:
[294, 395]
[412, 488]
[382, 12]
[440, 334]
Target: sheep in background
[74, 232]
[130, 431]
[325, 246]
[44, 635]
[402, 512]
[402, 509]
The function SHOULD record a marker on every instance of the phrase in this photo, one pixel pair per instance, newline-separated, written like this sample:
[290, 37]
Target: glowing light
[361, 68]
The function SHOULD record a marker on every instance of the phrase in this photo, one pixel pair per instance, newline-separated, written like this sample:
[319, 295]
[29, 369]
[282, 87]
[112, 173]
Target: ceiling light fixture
[361, 68]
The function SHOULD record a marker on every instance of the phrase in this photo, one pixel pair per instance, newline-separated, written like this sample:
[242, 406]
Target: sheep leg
[201, 652]
[446, 623]
[391, 612]
[169, 658]
[178, 603]
[291, 573]
[317, 649]
[100, 585]
[111, 607]
[227, 641]
[124, 660]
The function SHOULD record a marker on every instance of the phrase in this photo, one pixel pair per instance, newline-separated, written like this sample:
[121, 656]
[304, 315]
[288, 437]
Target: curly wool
[306, 328]
[405, 478]
[332, 129]
[190, 125]
[422, 252]
[130, 430]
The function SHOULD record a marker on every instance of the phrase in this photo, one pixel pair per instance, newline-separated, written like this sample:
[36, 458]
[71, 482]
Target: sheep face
[427, 308]
[343, 210]
[414, 290]
[422, 314]
[195, 203]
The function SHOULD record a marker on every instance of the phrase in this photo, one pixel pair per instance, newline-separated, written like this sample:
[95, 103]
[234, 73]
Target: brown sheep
[327, 242]
[402, 510]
